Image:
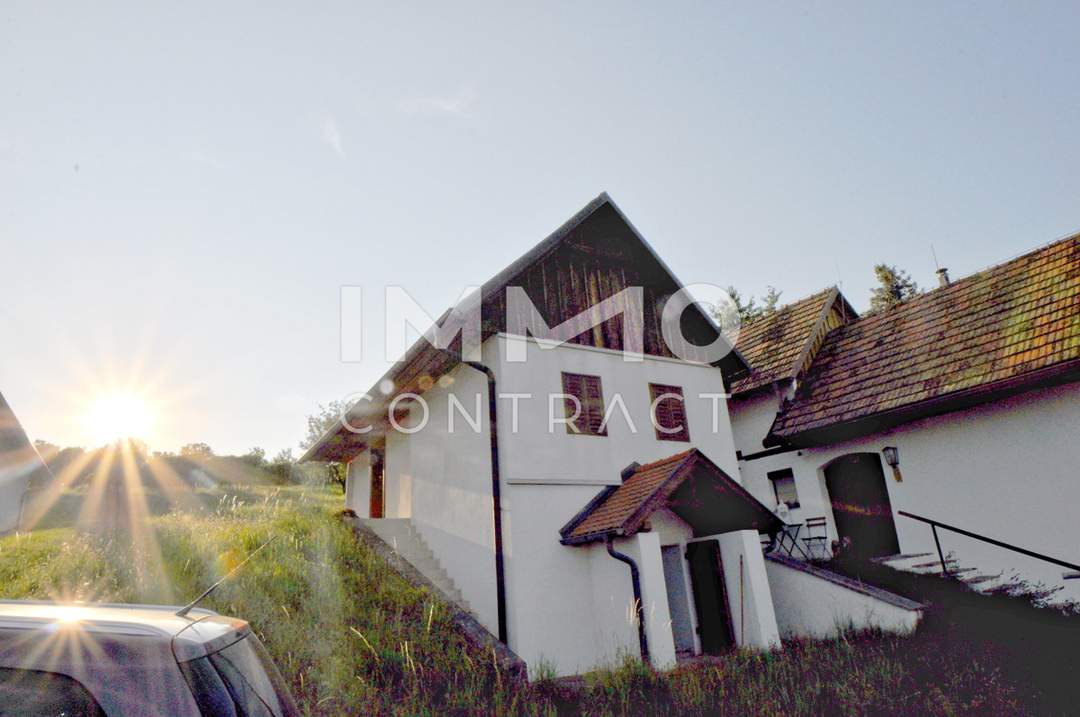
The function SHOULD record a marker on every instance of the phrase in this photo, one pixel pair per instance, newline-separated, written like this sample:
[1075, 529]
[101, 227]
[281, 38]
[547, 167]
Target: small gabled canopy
[688, 484]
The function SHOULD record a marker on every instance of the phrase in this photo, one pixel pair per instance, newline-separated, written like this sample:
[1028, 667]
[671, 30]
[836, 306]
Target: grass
[352, 637]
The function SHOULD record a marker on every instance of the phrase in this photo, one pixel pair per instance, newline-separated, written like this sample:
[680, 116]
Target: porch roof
[688, 484]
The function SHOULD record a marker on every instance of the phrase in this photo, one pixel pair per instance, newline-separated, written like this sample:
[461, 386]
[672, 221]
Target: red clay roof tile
[1013, 319]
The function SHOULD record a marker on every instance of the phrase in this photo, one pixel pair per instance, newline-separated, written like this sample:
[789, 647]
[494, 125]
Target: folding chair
[817, 537]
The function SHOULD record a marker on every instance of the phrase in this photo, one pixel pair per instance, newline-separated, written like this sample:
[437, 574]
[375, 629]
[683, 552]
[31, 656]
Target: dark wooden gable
[599, 258]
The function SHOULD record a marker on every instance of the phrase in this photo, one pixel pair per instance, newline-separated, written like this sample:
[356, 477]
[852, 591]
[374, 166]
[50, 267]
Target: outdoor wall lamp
[892, 457]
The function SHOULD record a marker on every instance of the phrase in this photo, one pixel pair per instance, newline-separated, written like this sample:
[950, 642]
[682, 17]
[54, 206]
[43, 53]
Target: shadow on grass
[1034, 647]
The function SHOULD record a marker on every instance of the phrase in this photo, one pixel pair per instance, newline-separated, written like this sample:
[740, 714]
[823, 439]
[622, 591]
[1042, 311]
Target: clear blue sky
[183, 189]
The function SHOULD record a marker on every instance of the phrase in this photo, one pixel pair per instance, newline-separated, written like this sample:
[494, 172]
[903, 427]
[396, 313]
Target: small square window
[783, 483]
[668, 409]
[590, 398]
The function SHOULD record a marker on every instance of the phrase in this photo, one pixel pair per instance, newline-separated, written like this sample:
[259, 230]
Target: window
[239, 681]
[668, 412]
[590, 397]
[29, 693]
[783, 483]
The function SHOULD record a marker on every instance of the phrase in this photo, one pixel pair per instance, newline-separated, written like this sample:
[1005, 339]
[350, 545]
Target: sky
[185, 187]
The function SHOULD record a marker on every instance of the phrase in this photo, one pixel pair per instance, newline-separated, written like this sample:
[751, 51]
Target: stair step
[401, 535]
[980, 579]
[953, 572]
[886, 559]
[935, 563]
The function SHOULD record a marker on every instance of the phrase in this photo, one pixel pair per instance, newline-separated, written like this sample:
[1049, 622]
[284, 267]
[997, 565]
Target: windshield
[240, 680]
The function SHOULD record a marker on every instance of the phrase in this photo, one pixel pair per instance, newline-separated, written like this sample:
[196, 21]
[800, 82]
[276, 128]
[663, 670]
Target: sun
[116, 416]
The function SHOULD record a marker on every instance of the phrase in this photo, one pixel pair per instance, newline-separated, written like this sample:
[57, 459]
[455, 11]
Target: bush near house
[353, 637]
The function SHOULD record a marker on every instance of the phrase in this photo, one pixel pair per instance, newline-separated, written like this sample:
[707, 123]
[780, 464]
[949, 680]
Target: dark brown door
[710, 599]
[860, 504]
[375, 503]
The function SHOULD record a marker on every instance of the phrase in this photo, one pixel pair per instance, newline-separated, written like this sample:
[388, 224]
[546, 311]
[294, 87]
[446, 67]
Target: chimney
[943, 277]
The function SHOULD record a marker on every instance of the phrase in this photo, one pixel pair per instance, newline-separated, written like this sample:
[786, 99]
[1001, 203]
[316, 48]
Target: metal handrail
[935, 524]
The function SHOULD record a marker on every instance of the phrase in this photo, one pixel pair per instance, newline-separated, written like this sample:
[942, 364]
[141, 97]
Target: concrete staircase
[930, 564]
[401, 535]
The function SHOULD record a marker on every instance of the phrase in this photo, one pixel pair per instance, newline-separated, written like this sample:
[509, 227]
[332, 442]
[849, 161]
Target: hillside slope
[353, 637]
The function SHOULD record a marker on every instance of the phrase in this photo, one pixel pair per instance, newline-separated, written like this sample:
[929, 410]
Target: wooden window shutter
[670, 413]
[589, 392]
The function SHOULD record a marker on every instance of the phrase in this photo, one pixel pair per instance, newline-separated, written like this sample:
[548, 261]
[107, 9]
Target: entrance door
[860, 504]
[682, 629]
[375, 501]
[710, 599]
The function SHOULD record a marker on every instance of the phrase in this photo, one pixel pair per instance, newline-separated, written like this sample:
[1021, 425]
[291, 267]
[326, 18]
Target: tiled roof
[616, 509]
[1009, 322]
[772, 344]
[623, 510]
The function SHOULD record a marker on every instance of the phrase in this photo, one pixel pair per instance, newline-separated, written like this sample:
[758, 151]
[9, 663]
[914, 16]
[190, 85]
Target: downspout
[635, 579]
[496, 500]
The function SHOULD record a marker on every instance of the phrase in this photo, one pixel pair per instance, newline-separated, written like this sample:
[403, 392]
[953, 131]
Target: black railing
[934, 525]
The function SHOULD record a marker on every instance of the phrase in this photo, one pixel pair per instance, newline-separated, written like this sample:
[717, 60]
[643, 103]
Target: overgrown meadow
[353, 637]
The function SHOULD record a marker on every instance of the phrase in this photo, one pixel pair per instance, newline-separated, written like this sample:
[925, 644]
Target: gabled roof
[689, 484]
[1007, 328]
[424, 360]
[776, 345]
[19, 465]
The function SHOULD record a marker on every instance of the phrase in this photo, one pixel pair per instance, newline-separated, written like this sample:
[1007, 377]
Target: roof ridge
[963, 281]
[680, 455]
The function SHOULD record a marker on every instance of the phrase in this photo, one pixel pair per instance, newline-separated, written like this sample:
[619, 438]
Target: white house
[972, 390]
[19, 464]
[562, 491]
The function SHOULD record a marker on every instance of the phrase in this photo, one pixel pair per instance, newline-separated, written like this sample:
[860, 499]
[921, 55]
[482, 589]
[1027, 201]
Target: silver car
[95, 660]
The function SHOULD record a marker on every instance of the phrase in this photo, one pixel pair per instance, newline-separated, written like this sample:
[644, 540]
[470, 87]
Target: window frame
[660, 389]
[587, 405]
[780, 474]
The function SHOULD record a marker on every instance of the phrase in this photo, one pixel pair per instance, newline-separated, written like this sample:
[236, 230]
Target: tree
[749, 309]
[895, 287]
[196, 450]
[282, 464]
[318, 423]
[256, 457]
[771, 301]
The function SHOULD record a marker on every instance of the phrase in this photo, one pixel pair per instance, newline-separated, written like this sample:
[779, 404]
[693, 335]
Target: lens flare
[117, 416]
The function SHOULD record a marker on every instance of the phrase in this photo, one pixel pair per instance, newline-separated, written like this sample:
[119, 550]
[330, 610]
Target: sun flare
[117, 416]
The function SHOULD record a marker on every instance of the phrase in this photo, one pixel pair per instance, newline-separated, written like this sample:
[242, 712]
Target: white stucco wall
[568, 606]
[810, 606]
[749, 593]
[550, 476]
[1006, 470]
[13, 483]
[358, 485]
[441, 480]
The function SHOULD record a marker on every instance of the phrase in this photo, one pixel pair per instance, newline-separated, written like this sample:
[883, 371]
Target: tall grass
[353, 637]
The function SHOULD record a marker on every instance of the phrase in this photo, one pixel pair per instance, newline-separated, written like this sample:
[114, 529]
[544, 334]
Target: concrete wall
[1006, 470]
[809, 604]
